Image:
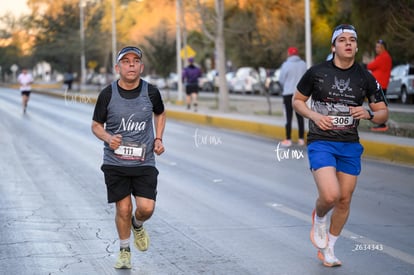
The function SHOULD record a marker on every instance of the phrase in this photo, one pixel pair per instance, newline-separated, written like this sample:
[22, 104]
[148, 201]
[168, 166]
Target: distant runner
[25, 79]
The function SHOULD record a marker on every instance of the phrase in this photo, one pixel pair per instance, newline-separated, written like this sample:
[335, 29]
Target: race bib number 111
[131, 151]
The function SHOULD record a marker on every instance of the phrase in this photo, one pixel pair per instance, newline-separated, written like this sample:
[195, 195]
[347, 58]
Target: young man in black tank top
[338, 88]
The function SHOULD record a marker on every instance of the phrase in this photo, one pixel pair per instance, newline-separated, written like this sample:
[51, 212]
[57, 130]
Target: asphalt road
[227, 203]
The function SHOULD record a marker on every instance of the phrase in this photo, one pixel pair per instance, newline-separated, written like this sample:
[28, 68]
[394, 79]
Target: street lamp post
[308, 39]
[113, 38]
[178, 4]
[82, 40]
[114, 44]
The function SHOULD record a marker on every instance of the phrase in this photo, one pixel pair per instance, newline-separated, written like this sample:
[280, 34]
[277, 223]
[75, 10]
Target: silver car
[401, 84]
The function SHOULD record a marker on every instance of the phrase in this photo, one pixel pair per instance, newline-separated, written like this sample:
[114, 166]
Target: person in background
[129, 117]
[338, 88]
[25, 79]
[290, 73]
[68, 79]
[190, 77]
[380, 68]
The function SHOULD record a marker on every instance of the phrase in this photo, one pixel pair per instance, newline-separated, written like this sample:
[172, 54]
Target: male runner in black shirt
[338, 88]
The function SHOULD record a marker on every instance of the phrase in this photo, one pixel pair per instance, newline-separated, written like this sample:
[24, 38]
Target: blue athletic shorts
[344, 156]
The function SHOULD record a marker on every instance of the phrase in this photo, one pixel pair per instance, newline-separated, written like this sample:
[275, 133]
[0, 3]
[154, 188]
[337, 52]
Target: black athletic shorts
[191, 88]
[26, 93]
[123, 181]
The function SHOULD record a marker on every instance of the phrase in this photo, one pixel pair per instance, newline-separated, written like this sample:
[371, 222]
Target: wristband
[371, 114]
[160, 139]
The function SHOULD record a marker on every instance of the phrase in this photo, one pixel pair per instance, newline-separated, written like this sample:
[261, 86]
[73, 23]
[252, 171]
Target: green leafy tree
[161, 51]
[58, 37]
[14, 41]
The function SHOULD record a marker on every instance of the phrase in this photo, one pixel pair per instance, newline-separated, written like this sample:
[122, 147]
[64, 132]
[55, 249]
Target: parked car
[401, 84]
[247, 80]
[206, 82]
[272, 83]
[172, 81]
[228, 76]
[156, 80]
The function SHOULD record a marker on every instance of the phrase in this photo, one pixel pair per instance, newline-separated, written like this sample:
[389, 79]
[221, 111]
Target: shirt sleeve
[282, 75]
[375, 64]
[305, 84]
[375, 92]
[156, 100]
[100, 112]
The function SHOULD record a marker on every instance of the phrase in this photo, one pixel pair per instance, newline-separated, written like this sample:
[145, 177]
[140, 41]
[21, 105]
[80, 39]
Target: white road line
[393, 252]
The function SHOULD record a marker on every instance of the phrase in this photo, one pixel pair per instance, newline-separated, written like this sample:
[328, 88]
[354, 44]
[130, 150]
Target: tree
[392, 21]
[254, 33]
[262, 33]
[161, 51]
[401, 28]
[213, 28]
[58, 40]
[56, 25]
[15, 43]
[7, 59]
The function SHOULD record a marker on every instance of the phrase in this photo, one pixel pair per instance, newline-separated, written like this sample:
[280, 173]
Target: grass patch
[400, 117]
[266, 113]
[399, 124]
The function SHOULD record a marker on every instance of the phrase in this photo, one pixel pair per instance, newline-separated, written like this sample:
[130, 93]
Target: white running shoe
[327, 256]
[318, 234]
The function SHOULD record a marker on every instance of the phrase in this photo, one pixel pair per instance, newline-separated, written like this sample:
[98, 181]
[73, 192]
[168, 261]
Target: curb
[401, 154]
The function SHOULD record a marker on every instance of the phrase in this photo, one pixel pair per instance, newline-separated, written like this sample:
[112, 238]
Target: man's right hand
[115, 141]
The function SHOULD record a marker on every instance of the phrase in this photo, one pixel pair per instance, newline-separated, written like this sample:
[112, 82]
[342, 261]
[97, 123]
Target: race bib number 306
[131, 151]
[342, 121]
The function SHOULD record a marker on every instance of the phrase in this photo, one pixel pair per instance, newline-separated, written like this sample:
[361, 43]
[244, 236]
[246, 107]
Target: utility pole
[308, 40]
[113, 38]
[82, 40]
[178, 48]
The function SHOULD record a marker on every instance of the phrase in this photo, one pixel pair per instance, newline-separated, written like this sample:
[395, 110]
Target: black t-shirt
[105, 95]
[333, 90]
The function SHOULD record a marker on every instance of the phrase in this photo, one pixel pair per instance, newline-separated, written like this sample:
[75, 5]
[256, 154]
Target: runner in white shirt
[25, 79]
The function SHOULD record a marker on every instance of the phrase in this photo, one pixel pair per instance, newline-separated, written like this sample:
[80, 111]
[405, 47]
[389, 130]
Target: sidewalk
[247, 116]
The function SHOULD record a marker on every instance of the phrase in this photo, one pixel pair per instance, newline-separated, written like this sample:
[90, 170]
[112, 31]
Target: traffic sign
[187, 52]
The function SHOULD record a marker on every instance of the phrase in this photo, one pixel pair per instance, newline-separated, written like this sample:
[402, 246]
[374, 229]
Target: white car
[156, 80]
[246, 80]
[172, 81]
[206, 82]
[272, 83]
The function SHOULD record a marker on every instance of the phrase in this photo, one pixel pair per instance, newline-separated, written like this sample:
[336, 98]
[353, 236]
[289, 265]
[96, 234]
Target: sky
[17, 7]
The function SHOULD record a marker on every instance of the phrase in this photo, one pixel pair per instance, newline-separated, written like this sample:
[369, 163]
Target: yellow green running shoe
[124, 259]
